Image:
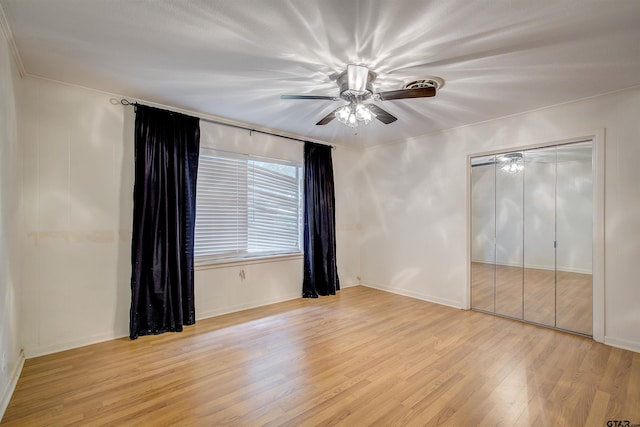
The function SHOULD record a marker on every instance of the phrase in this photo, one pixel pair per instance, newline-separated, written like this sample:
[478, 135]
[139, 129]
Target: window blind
[247, 206]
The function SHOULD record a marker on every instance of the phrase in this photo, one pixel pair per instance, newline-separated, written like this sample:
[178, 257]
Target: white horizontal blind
[247, 206]
[274, 207]
[221, 206]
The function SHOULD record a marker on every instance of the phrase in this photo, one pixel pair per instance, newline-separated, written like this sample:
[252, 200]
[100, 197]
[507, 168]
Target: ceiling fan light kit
[511, 162]
[356, 87]
[354, 114]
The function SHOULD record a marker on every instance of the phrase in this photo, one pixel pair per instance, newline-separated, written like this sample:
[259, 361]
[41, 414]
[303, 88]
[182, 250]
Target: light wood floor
[363, 357]
[558, 299]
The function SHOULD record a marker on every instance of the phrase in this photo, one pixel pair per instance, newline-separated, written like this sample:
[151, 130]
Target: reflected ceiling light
[354, 114]
[512, 162]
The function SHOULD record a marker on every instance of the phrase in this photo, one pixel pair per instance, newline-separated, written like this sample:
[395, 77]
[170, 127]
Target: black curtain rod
[126, 102]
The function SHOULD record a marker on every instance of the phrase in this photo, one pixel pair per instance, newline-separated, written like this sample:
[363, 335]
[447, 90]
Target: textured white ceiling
[234, 58]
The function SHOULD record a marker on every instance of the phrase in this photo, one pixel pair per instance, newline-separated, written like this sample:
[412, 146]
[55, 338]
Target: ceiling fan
[356, 88]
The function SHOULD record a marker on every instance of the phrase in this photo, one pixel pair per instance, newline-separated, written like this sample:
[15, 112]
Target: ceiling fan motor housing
[356, 83]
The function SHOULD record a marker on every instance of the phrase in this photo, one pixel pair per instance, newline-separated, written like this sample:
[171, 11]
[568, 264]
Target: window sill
[221, 263]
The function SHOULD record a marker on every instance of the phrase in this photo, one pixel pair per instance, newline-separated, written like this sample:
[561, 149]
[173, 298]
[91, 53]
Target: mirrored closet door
[531, 235]
[509, 235]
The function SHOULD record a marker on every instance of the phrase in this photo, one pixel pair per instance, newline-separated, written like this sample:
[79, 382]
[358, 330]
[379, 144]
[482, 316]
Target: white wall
[78, 168]
[414, 204]
[78, 177]
[10, 224]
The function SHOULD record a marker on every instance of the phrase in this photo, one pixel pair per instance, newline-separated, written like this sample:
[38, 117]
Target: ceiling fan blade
[326, 98]
[381, 114]
[423, 92]
[326, 119]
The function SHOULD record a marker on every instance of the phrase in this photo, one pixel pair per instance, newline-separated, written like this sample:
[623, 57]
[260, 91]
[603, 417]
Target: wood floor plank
[363, 357]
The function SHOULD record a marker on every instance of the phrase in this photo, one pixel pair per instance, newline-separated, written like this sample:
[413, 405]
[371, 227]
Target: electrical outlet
[4, 361]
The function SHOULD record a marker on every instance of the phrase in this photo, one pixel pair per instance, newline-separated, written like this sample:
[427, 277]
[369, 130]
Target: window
[247, 206]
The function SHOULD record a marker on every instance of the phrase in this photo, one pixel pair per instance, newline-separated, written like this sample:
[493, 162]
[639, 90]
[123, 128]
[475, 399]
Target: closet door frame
[597, 138]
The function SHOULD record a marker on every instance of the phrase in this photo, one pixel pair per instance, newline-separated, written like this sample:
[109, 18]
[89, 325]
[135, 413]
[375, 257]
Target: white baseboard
[5, 397]
[248, 306]
[68, 345]
[240, 307]
[348, 285]
[416, 295]
[623, 344]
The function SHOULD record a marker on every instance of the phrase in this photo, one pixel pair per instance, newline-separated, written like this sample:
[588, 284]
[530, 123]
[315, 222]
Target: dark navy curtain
[164, 206]
[320, 269]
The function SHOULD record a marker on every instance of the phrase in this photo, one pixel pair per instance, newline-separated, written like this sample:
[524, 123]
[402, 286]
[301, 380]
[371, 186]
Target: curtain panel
[164, 206]
[320, 267]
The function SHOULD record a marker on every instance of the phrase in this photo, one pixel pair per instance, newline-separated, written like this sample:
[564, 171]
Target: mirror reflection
[509, 234]
[539, 236]
[531, 235]
[483, 259]
[574, 225]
